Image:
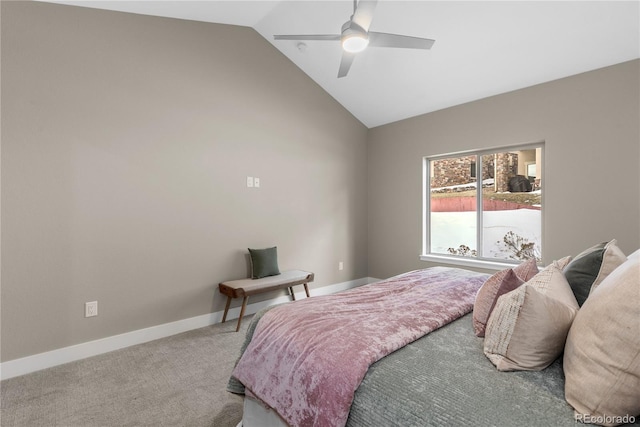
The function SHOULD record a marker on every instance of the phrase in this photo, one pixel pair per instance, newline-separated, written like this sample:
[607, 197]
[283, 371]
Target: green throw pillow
[590, 267]
[264, 262]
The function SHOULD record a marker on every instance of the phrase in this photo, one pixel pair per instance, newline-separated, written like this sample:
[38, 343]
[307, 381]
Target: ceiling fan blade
[363, 14]
[396, 40]
[345, 63]
[330, 37]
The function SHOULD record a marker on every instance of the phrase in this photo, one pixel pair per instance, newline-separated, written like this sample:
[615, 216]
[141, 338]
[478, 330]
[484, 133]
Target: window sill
[468, 262]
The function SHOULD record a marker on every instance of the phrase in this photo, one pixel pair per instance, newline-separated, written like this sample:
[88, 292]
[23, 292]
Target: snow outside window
[484, 205]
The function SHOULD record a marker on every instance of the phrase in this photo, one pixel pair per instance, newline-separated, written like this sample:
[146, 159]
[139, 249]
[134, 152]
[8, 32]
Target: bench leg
[306, 289]
[226, 309]
[293, 296]
[244, 305]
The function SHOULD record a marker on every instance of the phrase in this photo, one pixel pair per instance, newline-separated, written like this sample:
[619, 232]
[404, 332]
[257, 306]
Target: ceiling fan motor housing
[353, 37]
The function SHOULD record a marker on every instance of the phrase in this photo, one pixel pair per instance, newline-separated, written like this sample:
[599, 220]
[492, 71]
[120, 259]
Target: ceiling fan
[355, 36]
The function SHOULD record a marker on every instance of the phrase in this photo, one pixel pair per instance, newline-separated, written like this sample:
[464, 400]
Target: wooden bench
[246, 287]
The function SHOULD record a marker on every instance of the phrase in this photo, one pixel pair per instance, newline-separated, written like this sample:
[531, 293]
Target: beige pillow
[500, 283]
[602, 353]
[611, 259]
[528, 326]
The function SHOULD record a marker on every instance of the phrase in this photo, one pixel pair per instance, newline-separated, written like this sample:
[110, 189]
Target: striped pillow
[528, 328]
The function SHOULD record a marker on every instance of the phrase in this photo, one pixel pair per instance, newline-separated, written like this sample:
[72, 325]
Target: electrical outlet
[249, 181]
[256, 182]
[341, 265]
[91, 309]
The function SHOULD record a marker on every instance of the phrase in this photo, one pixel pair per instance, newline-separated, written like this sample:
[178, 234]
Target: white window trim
[485, 263]
[468, 262]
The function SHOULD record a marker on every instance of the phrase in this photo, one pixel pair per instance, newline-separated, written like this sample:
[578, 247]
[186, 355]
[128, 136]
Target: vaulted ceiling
[482, 48]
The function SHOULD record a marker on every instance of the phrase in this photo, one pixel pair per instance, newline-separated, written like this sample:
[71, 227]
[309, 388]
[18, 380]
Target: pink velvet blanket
[307, 358]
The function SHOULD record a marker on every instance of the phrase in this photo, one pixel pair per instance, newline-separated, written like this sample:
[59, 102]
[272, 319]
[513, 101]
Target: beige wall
[590, 124]
[126, 143]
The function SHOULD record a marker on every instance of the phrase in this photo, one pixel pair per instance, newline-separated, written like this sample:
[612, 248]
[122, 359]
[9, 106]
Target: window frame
[480, 262]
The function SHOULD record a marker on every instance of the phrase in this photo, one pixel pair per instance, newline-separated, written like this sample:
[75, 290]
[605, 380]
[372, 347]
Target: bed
[439, 377]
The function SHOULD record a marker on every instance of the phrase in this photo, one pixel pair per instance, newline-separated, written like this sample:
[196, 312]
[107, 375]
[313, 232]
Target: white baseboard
[25, 365]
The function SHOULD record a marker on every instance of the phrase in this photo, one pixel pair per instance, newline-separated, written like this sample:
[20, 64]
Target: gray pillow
[591, 266]
[264, 262]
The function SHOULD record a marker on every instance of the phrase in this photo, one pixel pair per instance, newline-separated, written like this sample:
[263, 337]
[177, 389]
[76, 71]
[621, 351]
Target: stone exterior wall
[506, 167]
[452, 171]
[488, 166]
[458, 171]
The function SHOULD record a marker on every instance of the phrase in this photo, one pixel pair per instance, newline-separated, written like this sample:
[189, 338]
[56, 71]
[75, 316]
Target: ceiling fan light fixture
[354, 43]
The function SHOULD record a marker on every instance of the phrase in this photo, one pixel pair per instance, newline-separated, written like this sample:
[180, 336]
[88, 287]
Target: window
[484, 206]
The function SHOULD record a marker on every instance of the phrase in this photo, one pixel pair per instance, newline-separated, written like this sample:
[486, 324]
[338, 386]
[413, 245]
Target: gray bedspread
[444, 379]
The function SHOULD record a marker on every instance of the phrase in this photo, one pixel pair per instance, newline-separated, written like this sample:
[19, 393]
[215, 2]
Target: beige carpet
[174, 381]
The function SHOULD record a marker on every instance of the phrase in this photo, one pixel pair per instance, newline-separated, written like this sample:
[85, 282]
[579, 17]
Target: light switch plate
[91, 309]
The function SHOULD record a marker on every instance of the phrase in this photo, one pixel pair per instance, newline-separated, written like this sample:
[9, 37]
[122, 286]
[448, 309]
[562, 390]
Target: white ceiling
[482, 48]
